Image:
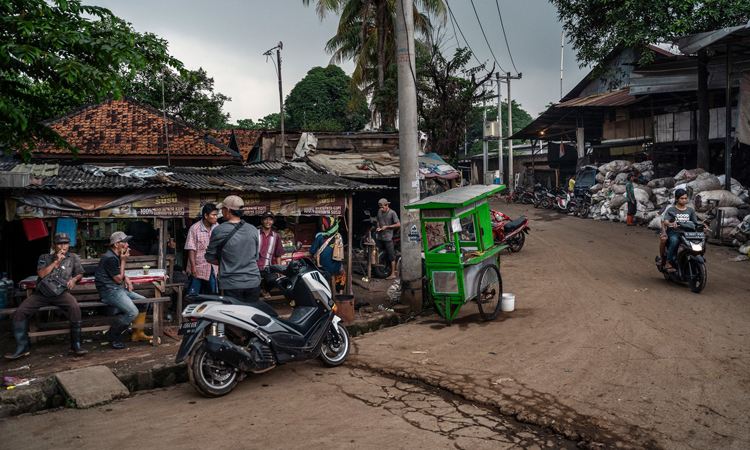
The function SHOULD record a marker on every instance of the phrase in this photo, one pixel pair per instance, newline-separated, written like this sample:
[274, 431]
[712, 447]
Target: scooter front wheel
[335, 347]
[210, 376]
[698, 281]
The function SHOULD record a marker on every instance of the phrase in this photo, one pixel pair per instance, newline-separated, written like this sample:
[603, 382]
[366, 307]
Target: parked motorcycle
[565, 202]
[225, 339]
[691, 265]
[583, 205]
[509, 232]
[383, 269]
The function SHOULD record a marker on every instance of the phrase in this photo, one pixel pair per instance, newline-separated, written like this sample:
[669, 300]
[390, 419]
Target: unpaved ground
[599, 342]
[300, 406]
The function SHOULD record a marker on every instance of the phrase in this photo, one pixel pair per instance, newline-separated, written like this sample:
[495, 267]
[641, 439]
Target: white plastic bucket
[508, 303]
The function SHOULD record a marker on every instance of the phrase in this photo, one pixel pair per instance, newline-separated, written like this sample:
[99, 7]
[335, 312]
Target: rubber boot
[21, 333]
[113, 335]
[630, 221]
[75, 339]
[138, 334]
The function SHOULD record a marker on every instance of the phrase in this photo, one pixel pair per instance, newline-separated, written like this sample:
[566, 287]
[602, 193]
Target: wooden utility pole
[511, 181]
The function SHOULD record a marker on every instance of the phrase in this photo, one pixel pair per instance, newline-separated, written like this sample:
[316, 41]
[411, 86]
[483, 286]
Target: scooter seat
[514, 225]
[261, 305]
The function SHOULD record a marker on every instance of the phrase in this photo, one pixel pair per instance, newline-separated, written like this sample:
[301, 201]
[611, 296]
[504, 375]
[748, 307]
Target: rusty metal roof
[620, 97]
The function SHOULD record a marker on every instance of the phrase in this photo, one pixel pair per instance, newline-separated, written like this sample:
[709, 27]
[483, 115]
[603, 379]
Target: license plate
[694, 235]
[187, 328]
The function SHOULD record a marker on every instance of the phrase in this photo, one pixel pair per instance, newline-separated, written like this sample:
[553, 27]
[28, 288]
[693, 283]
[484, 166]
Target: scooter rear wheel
[210, 376]
[334, 354]
[516, 242]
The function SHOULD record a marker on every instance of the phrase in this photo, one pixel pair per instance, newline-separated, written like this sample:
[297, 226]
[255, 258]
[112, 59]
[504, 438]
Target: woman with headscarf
[322, 249]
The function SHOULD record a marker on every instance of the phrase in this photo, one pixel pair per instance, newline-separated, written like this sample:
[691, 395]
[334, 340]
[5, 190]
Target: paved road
[301, 406]
[599, 343]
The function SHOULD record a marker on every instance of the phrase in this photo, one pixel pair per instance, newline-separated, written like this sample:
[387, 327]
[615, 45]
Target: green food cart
[460, 254]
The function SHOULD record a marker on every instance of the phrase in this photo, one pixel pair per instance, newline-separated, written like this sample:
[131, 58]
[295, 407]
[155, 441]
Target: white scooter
[224, 339]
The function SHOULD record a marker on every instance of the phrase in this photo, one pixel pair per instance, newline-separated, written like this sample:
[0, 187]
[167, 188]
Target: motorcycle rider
[674, 215]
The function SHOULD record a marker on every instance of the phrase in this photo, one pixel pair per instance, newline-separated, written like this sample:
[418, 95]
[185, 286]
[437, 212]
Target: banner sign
[323, 204]
[165, 206]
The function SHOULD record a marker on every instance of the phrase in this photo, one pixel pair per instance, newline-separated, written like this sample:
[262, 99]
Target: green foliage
[445, 100]
[323, 101]
[269, 122]
[596, 28]
[188, 96]
[63, 45]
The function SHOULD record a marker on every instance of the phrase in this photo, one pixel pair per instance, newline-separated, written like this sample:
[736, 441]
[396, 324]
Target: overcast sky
[228, 38]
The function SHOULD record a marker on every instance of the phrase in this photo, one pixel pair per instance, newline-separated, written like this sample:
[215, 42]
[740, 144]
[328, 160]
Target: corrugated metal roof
[712, 39]
[276, 177]
[682, 75]
[620, 97]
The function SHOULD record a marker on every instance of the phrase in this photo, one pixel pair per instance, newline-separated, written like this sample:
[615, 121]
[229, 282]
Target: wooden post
[349, 217]
[162, 263]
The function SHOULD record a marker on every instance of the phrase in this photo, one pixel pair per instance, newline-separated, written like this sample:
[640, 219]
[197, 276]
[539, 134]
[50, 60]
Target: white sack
[644, 166]
[688, 175]
[615, 166]
[655, 223]
[725, 198]
[704, 182]
[616, 202]
[641, 196]
[729, 211]
[667, 182]
[618, 189]
[600, 178]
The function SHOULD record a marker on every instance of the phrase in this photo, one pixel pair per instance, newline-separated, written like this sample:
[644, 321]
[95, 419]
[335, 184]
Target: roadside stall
[460, 254]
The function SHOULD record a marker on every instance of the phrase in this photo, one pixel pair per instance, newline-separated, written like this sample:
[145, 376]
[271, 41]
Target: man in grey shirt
[387, 222]
[235, 246]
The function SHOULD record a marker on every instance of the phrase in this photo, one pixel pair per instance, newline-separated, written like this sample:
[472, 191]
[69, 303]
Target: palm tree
[367, 35]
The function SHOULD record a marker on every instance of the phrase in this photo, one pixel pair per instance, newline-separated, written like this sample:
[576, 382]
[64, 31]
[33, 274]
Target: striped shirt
[197, 240]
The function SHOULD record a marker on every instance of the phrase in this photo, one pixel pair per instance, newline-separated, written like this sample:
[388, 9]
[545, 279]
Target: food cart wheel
[489, 292]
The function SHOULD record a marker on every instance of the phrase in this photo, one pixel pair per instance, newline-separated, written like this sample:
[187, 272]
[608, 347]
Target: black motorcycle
[583, 205]
[691, 265]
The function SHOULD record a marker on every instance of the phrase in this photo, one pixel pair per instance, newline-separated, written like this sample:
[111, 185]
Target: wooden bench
[156, 322]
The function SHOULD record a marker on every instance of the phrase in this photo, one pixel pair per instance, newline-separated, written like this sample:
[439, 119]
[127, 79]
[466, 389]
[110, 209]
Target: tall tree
[63, 44]
[269, 122]
[188, 95]
[445, 98]
[322, 101]
[367, 35]
[596, 28]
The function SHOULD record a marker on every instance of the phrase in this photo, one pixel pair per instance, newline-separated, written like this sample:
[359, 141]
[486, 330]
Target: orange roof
[127, 127]
[246, 140]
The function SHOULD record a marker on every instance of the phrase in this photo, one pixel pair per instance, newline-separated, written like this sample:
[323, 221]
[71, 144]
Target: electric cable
[497, 3]
[460, 31]
[485, 37]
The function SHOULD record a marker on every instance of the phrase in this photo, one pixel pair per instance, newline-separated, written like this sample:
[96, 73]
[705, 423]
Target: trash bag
[686, 175]
[730, 222]
[745, 250]
[641, 196]
[737, 188]
[704, 182]
[616, 202]
[725, 198]
[595, 188]
[618, 189]
[648, 175]
[600, 178]
[645, 188]
[622, 178]
[615, 166]
[729, 211]
[655, 223]
[667, 182]
[644, 166]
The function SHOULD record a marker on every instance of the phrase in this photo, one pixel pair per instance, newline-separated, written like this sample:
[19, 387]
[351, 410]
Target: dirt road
[300, 406]
[599, 343]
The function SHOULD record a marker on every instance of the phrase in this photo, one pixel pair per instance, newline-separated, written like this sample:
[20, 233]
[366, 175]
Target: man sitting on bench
[116, 289]
[64, 271]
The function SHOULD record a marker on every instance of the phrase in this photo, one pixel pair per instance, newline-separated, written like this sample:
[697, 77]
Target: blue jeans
[673, 241]
[122, 299]
[198, 286]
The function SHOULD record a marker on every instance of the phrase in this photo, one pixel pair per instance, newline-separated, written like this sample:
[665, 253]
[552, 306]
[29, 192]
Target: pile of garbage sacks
[654, 195]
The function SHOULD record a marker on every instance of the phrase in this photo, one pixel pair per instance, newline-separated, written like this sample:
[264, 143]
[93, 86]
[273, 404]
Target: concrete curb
[49, 395]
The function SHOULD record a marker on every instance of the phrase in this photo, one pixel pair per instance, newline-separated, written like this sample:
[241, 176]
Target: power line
[485, 36]
[455, 22]
[497, 3]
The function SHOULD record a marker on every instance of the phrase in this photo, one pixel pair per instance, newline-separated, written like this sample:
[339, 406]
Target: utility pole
[411, 247]
[278, 49]
[511, 181]
[499, 128]
[562, 49]
[485, 156]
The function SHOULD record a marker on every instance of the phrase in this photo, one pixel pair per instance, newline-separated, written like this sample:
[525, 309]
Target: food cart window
[444, 282]
[438, 239]
[468, 231]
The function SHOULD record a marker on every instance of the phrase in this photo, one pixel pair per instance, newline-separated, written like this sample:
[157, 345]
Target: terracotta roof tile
[130, 128]
[246, 140]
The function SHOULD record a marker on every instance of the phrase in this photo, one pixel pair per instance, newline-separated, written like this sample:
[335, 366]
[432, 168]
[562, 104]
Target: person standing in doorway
[387, 222]
[234, 246]
[271, 251]
[322, 251]
[630, 198]
[198, 237]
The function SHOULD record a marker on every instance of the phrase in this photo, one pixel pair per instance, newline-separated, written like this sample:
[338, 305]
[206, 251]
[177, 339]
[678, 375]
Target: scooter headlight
[696, 247]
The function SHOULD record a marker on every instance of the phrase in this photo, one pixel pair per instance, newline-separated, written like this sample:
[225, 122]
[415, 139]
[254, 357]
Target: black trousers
[64, 301]
[632, 208]
[388, 247]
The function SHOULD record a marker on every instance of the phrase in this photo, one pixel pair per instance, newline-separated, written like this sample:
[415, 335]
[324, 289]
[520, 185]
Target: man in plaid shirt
[199, 235]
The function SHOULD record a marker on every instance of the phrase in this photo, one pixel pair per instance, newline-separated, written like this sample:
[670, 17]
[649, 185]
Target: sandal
[266, 295]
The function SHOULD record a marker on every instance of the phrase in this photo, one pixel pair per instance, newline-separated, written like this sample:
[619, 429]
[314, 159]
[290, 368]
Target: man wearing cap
[271, 250]
[65, 267]
[234, 246]
[116, 289]
[198, 237]
[387, 222]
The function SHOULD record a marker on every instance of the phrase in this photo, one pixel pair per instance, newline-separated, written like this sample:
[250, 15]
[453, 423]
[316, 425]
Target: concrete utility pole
[411, 245]
[511, 181]
[278, 49]
[499, 127]
[485, 156]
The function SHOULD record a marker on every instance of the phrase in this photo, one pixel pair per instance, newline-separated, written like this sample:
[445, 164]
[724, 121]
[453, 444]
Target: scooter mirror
[298, 245]
[711, 217]
[367, 213]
